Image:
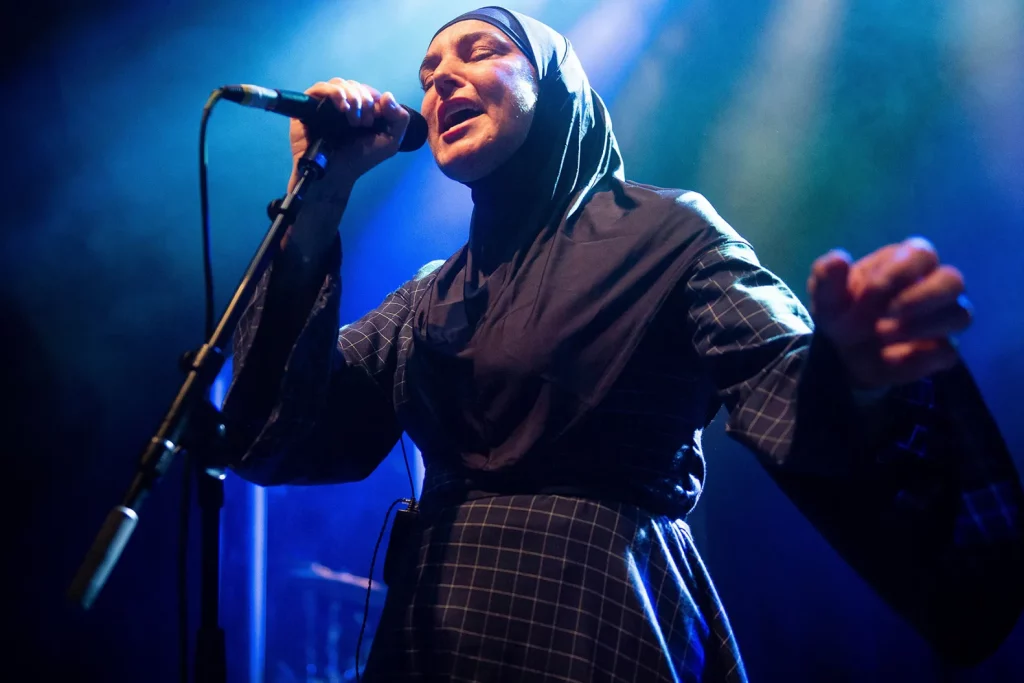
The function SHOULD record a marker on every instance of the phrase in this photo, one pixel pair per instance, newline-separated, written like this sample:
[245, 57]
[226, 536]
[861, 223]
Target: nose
[446, 81]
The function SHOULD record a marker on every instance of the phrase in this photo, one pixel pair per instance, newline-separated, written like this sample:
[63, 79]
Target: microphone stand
[192, 423]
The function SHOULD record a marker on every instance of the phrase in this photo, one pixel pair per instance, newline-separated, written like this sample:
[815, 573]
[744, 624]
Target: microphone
[321, 115]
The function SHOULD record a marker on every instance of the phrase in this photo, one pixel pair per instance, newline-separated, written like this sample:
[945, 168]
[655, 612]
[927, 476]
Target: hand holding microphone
[362, 106]
[364, 127]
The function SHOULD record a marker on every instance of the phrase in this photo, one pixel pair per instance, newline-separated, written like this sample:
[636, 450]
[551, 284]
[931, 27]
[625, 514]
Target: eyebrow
[432, 60]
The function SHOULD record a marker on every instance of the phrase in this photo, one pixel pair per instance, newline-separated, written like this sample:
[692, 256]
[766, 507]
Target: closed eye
[479, 45]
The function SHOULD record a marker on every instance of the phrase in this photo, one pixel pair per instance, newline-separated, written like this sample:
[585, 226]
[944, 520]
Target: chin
[466, 167]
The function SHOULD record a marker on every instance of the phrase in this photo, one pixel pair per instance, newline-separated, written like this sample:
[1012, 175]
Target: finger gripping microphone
[321, 115]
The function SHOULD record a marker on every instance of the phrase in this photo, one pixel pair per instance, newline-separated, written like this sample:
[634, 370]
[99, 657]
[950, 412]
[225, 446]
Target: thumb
[396, 116]
[827, 284]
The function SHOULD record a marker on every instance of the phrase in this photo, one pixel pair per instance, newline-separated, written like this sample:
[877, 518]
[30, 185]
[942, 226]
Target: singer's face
[479, 95]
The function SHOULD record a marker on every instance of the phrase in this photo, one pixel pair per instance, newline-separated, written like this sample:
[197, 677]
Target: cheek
[428, 109]
[524, 96]
[514, 97]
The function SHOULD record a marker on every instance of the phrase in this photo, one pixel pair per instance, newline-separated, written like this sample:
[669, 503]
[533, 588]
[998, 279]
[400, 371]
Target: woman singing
[557, 372]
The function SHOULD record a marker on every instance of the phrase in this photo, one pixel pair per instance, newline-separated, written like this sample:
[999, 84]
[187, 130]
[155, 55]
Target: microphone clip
[274, 209]
[401, 553]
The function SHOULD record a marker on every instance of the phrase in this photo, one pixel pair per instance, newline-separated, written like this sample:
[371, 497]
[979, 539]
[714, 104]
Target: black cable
[186, 483]
[186, 504]
[204, 202]
[369, 586]
[408, 470]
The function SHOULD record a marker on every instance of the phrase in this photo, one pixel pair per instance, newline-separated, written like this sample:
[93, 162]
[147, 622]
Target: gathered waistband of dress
[437, 499]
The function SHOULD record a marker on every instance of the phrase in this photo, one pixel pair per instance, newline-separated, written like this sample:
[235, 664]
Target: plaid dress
[596, 578]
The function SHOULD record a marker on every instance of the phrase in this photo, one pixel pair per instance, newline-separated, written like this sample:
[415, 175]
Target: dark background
[808, 125]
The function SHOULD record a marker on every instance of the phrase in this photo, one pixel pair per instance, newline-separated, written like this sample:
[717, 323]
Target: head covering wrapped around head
[569, 149]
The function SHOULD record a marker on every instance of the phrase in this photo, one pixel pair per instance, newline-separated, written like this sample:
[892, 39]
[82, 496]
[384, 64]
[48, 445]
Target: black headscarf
[533, 319]
[569, 149]
[570, 146]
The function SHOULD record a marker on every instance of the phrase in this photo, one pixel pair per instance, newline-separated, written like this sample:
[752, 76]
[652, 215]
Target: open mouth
[458, 115]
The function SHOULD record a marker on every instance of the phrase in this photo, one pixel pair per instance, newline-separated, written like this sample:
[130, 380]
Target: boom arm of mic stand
[183, 417]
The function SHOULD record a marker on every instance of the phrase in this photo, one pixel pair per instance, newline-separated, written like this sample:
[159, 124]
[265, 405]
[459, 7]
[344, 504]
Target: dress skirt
[553, 588]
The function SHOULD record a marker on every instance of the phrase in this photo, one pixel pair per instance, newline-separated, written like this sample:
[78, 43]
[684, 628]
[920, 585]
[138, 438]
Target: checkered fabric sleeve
[752, 334]
[310, 403]
[916, 491]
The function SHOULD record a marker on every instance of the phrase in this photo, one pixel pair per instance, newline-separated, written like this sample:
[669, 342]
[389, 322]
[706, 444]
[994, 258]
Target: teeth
[455, 110]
